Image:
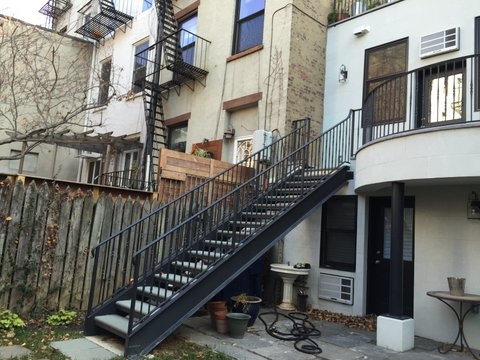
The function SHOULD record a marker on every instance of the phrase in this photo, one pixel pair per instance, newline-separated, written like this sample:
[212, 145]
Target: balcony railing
[343, 9]
[130, 179]
[184, 59]
[444, 93]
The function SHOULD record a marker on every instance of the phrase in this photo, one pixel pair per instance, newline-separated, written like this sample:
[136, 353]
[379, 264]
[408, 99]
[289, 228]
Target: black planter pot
[248, 305]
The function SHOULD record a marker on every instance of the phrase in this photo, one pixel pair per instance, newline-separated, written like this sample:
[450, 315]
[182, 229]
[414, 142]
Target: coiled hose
[301, 331]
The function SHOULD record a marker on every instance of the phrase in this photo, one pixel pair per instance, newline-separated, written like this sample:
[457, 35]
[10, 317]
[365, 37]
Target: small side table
[471, 300]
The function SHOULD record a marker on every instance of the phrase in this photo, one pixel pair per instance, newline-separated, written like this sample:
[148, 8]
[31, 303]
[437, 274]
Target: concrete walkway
[337, 342]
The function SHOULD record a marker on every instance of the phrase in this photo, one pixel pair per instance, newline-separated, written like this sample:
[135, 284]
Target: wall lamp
[342, 76]
[229, 133]
[473, 206]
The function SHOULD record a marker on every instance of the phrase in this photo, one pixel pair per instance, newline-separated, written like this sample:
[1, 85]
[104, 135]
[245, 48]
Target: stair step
[114, 323]
[247, 223]
[175, 278]
[198, 266]
[277, 198]
[206, 254]
[219, 243]
[269, 206]
[155, 292]
[259, 214]
[242, 232]
[141, 307]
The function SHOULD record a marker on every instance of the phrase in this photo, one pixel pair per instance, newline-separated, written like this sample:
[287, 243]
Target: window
[147, 4]
[385, 88]
[104, 86]
[93, 176]
[440, 93]
[248, 24]
[30, 162]
[177, 137]
[140, 66]
[187, 39]
[339, 233]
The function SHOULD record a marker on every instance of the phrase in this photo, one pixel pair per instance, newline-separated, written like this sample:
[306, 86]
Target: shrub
[10, 320]
[61, 317]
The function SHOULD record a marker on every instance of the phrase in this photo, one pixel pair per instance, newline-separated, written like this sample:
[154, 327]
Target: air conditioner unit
[336, 288]
[262, 139]
[440, 42]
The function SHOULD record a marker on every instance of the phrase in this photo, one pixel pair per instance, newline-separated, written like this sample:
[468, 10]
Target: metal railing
[440, 94]
[343, 9]
[181, 48]
[131, 179]
[166, 234]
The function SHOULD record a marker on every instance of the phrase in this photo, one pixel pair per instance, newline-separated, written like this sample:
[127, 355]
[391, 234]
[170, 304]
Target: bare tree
[46, 87]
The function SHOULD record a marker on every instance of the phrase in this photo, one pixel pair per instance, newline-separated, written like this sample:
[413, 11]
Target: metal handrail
[322, 156]
[114, 267]
[430, 96]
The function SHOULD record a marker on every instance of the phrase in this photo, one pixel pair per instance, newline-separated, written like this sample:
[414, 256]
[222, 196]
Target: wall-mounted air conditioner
[335, 288]
[262, 139]
[440, 42]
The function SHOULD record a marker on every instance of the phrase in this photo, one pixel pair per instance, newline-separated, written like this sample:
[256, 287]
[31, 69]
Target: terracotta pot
[221, 314]
[221, 325]
[214, 306]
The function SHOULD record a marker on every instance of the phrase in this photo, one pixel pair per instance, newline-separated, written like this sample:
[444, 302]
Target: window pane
[139, 66]
[146, 4]
[104, 82]
[249, 7]
[250, 33]
[339, 233]
[178, 138]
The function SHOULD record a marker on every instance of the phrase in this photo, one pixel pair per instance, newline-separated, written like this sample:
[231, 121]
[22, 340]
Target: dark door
[379, 255]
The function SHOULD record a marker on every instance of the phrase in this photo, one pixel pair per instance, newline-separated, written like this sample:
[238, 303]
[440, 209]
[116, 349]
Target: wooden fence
[47, 230]
[45, 238]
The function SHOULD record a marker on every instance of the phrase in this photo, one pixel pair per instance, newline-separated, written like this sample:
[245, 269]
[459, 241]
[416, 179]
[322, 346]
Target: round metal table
[471, 300]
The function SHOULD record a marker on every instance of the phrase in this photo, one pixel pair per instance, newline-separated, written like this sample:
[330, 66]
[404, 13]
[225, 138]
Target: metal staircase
[166, 65]
[151, 276]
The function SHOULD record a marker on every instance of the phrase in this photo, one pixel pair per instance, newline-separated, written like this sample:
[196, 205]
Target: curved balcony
[421, 126]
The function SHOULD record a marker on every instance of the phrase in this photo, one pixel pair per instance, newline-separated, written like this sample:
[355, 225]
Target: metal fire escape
[102, 19]
[177, 58]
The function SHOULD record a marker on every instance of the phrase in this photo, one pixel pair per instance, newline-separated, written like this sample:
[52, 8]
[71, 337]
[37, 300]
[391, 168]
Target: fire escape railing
[184, 59]
[444, 93]
[163, 236]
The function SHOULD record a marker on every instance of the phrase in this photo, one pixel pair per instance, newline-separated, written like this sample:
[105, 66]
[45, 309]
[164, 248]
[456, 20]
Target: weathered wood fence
[45, 238]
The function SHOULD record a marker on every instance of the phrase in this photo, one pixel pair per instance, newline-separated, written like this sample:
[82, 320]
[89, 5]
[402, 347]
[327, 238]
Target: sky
[26, 10]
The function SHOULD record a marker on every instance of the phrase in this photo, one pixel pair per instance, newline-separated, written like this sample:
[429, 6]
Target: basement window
[339, 233]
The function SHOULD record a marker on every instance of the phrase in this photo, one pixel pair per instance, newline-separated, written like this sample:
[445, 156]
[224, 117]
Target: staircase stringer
[175, 311]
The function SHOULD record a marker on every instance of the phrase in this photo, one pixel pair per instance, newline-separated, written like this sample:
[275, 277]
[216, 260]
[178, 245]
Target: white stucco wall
[437, 154]
[395, 21]
[446, 244]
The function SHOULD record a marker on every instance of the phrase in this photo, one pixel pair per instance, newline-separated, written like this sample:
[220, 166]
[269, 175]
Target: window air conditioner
[336, 288]
[440, 42]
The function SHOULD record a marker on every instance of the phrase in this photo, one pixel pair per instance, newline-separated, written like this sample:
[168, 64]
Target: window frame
[236, 48]
[380, 112]
[328, 233]
[105, 81]
[170, 128]
[137, 66]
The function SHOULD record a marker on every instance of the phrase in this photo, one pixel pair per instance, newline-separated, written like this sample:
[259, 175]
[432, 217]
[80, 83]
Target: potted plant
[237, 324]
[247, 304]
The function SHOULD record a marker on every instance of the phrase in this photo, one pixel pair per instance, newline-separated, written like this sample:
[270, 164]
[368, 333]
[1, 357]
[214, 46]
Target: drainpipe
[396, 255]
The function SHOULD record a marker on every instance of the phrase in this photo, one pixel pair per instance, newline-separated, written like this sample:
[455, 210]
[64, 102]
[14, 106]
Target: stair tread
[155, 291]
[176, 278]
[141, 307]
[204, 253]
[191, 265]
[114, 323]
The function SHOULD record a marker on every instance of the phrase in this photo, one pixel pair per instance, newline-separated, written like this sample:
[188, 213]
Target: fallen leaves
[367, 322]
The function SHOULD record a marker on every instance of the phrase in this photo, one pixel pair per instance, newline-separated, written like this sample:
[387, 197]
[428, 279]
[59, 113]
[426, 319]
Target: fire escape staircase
[101, 19]
[156, 273]
[178, 57]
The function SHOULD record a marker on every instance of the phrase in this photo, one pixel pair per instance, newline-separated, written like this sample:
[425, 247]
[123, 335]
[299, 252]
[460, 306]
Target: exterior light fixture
[473, 206]
[342, 76]
[228, 134]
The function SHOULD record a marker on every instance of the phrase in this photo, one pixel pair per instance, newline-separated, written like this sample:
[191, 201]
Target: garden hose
[302, 330]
